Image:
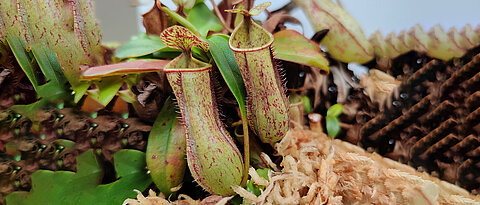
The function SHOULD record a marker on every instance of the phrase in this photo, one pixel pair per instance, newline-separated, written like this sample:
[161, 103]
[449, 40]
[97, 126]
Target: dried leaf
[278, 18]
[379, 86]
[155, 21]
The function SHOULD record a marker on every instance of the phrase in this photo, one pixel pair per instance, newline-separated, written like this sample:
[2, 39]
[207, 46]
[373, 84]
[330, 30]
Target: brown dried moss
[317, 170]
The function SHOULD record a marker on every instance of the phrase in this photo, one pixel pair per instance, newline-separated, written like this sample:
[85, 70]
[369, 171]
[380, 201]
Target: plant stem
[246, 146]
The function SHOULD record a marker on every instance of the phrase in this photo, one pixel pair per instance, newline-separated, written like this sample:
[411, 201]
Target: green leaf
[80, 89]
[127, 95]
[141, 45]
[289, 45]
[184, 22]
[27, 64]
[307, 104]
[334, 110]
[29, 110]
[82, 187]
[48, 62]
[263, 172]
[254, 188]
[333, 126]
[55, 88]
[166, 158]
[226, 63]
[204, 19]
[107, 89]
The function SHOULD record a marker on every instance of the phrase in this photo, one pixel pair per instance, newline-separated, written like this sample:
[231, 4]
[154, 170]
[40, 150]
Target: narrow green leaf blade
[226, 63]
[289, 45]
[49, 64]
[140, 45]
[27, 64]
[204, 19]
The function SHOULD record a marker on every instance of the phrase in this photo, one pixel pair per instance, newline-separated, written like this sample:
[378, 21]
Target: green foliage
[204, 19]
[106, 90]
[166, 158]
[255, 188]
[35, 61]
[333, 123]
[226, 63]
[82, 187]
[67, 29]
[142, 45]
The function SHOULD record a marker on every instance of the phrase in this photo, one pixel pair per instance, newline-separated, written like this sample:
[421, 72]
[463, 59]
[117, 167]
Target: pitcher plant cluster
[57, 45]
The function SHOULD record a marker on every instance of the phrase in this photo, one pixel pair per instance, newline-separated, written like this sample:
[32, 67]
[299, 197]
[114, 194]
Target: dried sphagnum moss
[153, 199]
[317, 170]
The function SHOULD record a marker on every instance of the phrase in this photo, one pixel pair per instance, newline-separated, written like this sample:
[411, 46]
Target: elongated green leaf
[166, 158]
[142, 45]
[226, 63]
[65, 187]
[27, 64]
[292, 46]
[204, 19]
[55, 88]
[48, 62]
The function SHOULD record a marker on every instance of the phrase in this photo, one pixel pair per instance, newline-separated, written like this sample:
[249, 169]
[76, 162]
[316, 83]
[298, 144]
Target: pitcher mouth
[202, 66]
[266, 45]
[180, 70]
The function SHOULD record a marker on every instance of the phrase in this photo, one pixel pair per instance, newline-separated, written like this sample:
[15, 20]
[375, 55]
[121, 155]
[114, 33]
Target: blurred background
[120, 19]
